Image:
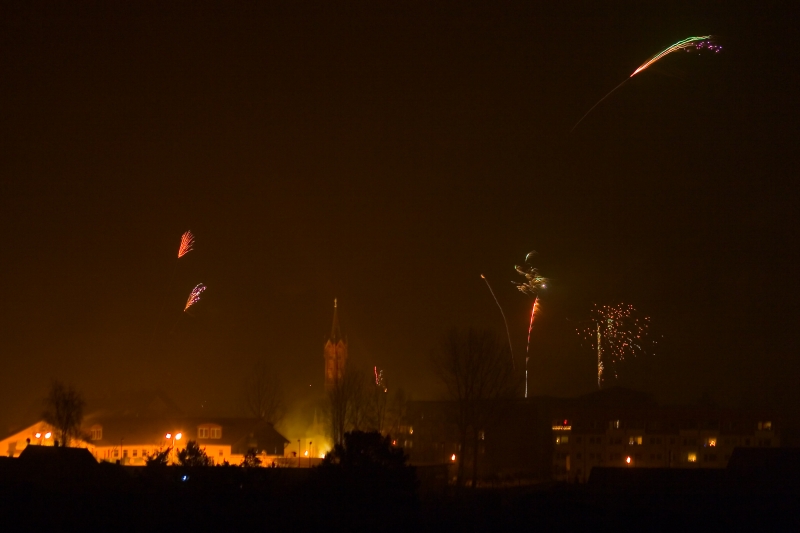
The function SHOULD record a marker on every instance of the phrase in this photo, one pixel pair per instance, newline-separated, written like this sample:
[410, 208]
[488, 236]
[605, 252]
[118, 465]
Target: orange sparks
[187, 241]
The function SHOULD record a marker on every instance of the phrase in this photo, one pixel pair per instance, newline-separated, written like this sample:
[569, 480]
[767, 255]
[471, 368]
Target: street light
[177, 436]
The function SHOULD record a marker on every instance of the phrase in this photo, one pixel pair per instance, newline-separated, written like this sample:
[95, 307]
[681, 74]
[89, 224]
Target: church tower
[335, 353]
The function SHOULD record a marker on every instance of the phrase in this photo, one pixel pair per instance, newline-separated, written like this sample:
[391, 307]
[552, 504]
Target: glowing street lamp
[176, 436]
[453, 458]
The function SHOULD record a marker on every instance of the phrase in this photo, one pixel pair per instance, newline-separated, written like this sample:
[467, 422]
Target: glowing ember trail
[187, 241]
[534, 282]
[530, 327]
[508, 332]
[194, 296]
[698, 43]
[680, 45]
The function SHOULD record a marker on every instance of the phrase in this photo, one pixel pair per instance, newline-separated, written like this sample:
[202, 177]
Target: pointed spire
[336, 333]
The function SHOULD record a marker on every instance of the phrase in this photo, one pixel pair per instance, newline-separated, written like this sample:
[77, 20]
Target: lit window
[563, 439]
[692, 458]
[482, 435]
[202, 433]
[615, 424]
[410, 431]
[767, 425]
[712, 441]
[635, 441]
[216, 433]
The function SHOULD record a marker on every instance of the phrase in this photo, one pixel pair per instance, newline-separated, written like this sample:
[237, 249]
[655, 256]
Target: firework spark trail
[698, 43]
[680, 45]
[187, 242]
[616, 333]
[530, 327]
[508, 332]
[194, 296]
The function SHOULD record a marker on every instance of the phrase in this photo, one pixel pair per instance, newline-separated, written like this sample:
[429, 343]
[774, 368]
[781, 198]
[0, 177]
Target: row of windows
[684, 424]
[206, 432]
[690, 457]
[209, 433]
[710, 442]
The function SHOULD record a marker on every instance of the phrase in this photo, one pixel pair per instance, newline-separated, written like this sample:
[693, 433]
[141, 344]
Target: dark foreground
[294, 500]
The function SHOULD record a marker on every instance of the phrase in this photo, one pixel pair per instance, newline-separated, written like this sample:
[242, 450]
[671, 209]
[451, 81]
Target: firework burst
[701, 43]
[194, 296]
[615, 333]
[187, 242]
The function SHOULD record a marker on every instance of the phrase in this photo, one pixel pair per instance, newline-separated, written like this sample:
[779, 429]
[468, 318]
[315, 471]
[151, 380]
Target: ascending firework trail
[698, 43]
[533, 283]
[511, 349]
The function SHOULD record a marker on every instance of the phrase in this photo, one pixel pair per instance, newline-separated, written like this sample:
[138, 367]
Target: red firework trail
[530, 327]
[187, 242]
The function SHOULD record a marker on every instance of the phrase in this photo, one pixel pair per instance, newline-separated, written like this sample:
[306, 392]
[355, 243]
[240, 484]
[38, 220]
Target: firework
[534, 282]
[194, 296]
[698, 43]
[530, 326]
[616, 333]
[508, 332]
[379, 379]
[187, 241]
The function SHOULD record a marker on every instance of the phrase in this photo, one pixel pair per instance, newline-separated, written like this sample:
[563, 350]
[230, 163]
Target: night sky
[387, 154]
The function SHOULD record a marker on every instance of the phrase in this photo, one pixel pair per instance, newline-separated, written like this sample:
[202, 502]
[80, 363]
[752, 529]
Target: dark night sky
[387, 154]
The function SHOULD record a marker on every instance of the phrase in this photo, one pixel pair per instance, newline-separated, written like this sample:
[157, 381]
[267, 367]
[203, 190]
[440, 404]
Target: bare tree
[64, 412]
[263, 393]
[348, 404]
[475, 368]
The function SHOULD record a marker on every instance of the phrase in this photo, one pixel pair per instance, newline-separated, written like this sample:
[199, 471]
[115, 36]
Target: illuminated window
[563, 439]
[615, 424]
[482, 435]
[711, 441]
[202, 433]
[765, 425]
[692, 457]
[216, 433]
[635, 441]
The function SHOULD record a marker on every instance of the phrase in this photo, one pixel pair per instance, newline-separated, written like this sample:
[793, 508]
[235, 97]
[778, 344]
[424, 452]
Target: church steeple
[335, 352]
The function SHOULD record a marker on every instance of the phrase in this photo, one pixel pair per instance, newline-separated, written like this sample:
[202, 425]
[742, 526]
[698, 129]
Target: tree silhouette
[64, 412]
[263, 394]
[193, 455]
[475, 367]
[251, 458]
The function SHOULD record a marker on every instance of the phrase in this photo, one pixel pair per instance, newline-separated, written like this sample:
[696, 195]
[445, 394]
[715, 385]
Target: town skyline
[388, 156]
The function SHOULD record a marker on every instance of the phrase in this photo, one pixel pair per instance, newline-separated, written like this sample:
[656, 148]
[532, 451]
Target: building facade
[564, 438]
